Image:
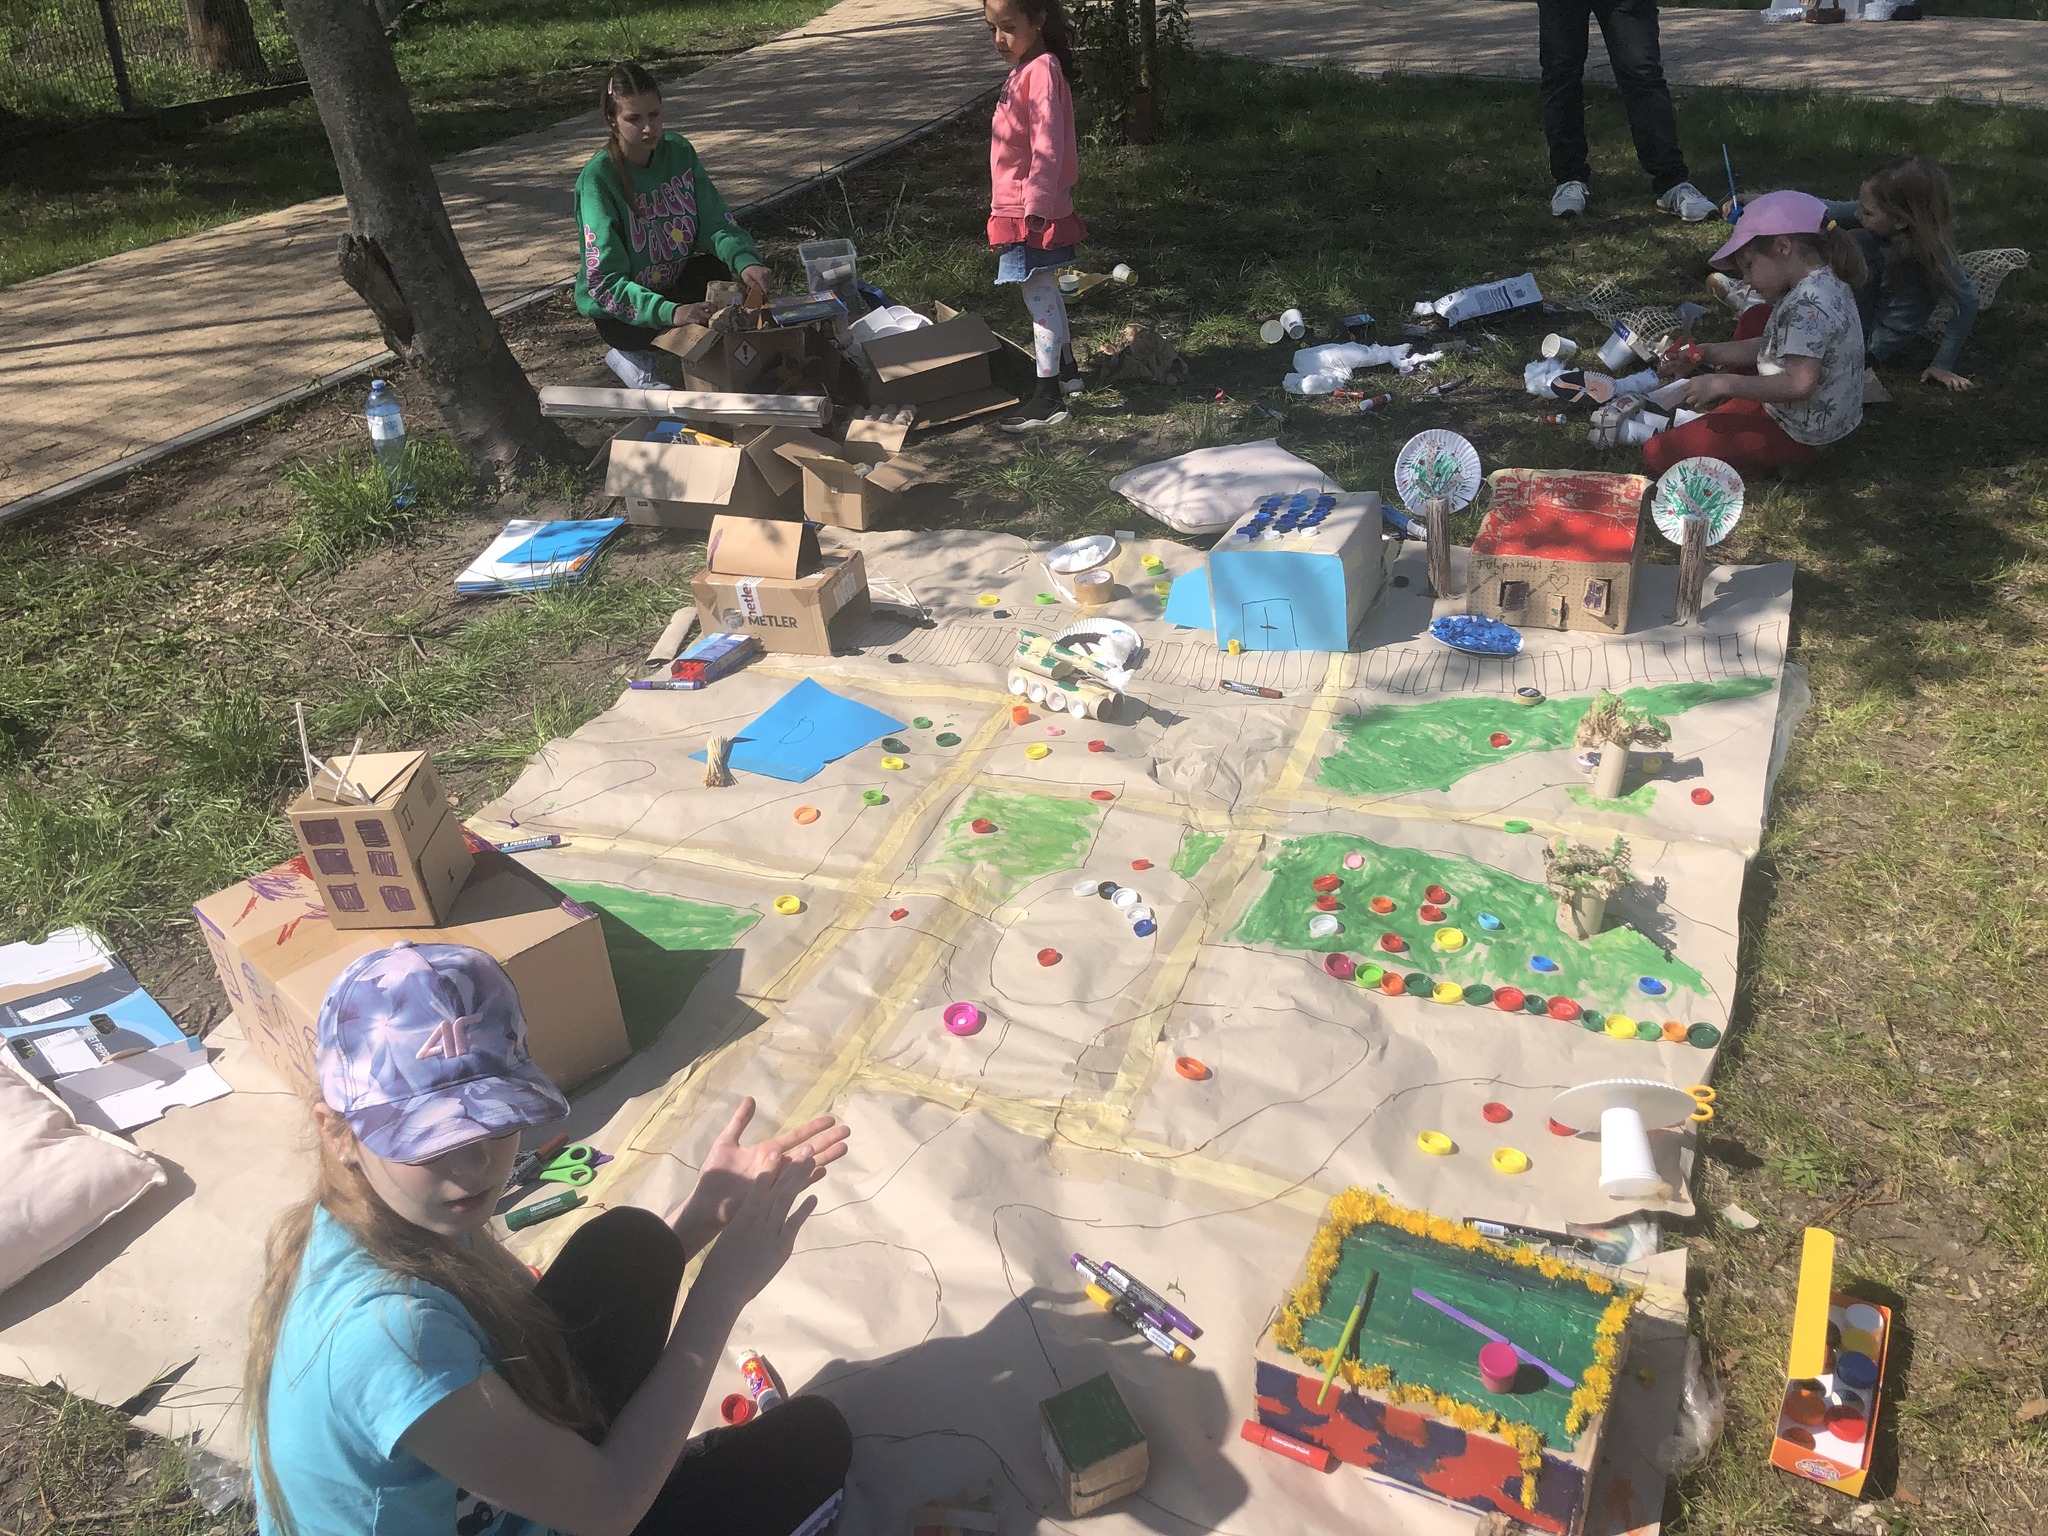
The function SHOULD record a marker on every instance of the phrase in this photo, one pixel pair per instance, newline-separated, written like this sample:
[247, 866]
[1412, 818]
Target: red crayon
[1294, 1450]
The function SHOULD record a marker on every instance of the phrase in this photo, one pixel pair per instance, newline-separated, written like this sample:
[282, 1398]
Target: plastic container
[387, 435]
[833, 266]
[1499, 1365]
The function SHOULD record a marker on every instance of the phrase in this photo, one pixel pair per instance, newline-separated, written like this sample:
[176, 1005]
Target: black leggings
[614, 1286]
[698, 274]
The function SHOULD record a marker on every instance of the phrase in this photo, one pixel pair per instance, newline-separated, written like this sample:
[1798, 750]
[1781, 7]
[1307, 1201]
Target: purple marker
[1099, 1277]
[531, 844]
[1127, 1284]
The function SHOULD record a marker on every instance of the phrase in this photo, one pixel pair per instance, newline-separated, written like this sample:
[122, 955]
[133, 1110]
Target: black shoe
[1047, 407]
[1071, 382]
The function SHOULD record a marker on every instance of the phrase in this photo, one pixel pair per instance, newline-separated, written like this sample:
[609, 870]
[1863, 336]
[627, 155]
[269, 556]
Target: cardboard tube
[674, 637]
[1627, 1170]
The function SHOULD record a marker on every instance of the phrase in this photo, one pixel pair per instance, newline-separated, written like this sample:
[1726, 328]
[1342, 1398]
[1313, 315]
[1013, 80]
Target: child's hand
[693, 314]
[757, 1241]
[1705, 391]
[758, 278]
[728, 1169]
[1946, 379]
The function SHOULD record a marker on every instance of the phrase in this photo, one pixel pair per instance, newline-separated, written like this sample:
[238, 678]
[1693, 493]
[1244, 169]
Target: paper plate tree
[1435, 475]
[1614, 727]
[1697, 504]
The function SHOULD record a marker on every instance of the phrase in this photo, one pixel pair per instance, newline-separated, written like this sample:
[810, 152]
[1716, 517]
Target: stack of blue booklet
[531, 553]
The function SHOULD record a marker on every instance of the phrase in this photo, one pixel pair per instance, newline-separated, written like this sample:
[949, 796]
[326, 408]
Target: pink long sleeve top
[1032, 160]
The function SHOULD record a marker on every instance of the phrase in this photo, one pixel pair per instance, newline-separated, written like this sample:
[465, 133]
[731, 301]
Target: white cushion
[1208, 490]
[59, 1180]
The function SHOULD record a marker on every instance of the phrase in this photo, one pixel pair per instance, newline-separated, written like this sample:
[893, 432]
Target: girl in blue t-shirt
[408, 1377]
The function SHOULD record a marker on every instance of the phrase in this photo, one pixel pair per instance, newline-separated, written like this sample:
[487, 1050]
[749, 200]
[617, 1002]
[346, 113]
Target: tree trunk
[401, 254]
[1437, 511]
[1582, 916]
[224, 39]
[1613, 769]
[388, 11]
[1692, 570]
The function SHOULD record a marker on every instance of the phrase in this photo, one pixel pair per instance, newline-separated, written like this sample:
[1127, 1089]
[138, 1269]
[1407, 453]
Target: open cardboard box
[392, 860]
[734, 361]
[277, 951]
[852, 483]
[770, 580]
[944, 369]
[669, 479]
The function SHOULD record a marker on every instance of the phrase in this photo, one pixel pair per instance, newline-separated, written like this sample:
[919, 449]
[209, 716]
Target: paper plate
[1476, 635]
[1698, 488]
[1111, 639]
[1078, 555]
[1437, 462]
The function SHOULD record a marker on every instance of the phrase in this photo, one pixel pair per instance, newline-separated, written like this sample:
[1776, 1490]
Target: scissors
[1703, 1097]
[559, 1162]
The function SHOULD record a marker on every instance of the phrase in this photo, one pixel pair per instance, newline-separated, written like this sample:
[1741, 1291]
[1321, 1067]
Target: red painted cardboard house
[1559, 549]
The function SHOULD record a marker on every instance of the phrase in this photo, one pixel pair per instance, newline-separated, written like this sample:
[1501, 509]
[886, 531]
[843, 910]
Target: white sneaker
[1732, 293]
[636, 370]
[1688, 202]
[1569, 200]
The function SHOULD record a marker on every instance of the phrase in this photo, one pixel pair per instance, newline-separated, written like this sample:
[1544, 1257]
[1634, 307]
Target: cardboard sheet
[930, 1296]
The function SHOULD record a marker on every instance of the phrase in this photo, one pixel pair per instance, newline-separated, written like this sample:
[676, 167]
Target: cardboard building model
[385, 848]
[1295, 573]
[1559, 549]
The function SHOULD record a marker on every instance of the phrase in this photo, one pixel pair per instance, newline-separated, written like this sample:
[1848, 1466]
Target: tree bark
[1437, 512]
[401, 253]
[224, 38]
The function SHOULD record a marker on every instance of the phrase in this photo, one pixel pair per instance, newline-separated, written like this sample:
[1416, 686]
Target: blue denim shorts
[1016, 262]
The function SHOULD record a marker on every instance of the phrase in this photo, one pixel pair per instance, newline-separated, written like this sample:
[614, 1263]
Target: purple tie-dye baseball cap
[422, 1049]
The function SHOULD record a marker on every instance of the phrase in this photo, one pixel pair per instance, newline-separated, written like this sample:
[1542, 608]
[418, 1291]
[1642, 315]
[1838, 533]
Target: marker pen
[1127, 1313]
[1150, 1299]
[1508, 1231]
[1293, 1449]
[531, 844]
[1232, 685]
[1102, 1278]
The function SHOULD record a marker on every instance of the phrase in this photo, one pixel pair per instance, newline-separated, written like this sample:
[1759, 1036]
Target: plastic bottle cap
[1542, 963]
[1447, 992]
[982, 825]
[1235, 648]
[1144, 927]
[1139, 914]
[1019, 713]
[1325, 883]
[1673, 1031]
[962, 1018]
[1047, 599]
[1430, 912]
[1563, 1008]
[1354, 860]
[1084, 888]
[1510, 1160]
[1531, 1003]
[1324, 926]
[1528, 695]
[1107, 889]
[988, 599]
[1341, 966]
[1048, 956]
[1479, 994]
[1382, 904]
[1863, 1318]
[1125, 896]
[1489, 922]
[1703, 797]
[1437, 896]
[1190, 1068]
[1327, 904]
[1436, 1143]
[1649, 1029]
[1037, 750]
[1500, 739]
[1620, 1026]
[1370, 975]
[873, 797]
[947, 739]
[1392, 943]
[1592, 1018]
[922, 722]
[1391, 984]
[1098, 746]
[1514, 824]
[737, 1408]
[1141, 864]
[899, 914]
[789, 906]
[894, 744]
[1152, 562]
[1450, 938]
[1509, 999]
[1055, 730]
[806, 814]
[1559, 1128]
[894, 764]
[1496, 1112]
[1705, 1036]
[1415, 984]
[1652, 986]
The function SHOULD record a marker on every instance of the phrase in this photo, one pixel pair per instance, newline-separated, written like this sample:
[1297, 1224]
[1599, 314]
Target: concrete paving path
[1968, 58]
[116, 360]
[108, 365]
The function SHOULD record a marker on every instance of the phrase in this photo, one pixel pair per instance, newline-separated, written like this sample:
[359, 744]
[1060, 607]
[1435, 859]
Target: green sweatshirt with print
[631, 254]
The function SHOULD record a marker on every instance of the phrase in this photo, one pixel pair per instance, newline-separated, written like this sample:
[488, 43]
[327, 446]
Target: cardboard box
[1093, 1447]
[1298, 576]
[670, 480]
[394, 862]
[734, 361]
[944, 369]
[1821, 1452]
[276, 952]
[750, 585]
[1559, 549]
[851, 484]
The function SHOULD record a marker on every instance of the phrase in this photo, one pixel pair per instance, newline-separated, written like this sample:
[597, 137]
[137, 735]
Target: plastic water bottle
[387, 435]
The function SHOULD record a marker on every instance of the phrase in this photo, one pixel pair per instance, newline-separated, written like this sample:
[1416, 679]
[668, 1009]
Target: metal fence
[65, 59]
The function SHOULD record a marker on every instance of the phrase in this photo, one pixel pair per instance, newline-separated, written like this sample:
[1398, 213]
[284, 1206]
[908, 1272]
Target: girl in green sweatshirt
[644, 268]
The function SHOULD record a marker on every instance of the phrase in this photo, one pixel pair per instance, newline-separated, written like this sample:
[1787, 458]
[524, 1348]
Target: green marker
[1350, 1332]
[543, 1210]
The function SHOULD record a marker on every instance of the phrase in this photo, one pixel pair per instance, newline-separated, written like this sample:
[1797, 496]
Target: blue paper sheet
[802, 731]
[1187, 602]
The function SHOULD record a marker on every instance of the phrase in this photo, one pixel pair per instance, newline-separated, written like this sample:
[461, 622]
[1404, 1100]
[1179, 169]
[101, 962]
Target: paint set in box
[1834, 1379]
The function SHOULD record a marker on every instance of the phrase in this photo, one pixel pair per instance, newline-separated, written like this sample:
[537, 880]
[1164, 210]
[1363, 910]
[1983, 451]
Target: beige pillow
[59, 1180]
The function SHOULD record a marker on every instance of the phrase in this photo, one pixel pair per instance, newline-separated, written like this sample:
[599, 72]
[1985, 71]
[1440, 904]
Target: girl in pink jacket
[1032, 166]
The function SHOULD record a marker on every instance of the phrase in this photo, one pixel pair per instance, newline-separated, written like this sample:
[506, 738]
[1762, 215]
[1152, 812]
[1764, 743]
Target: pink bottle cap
[1499, 1365]
[962, 1018]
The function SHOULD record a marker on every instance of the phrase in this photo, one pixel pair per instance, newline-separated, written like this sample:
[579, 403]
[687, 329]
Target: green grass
[478, 71]
[69, 1466]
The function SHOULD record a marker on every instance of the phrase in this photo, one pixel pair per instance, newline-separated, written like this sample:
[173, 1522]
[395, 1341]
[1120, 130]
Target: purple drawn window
[373, 833]
[396, 898]
[325, 830]
[346, 897]
[383, 863]
[1597, 592]
[333, 861]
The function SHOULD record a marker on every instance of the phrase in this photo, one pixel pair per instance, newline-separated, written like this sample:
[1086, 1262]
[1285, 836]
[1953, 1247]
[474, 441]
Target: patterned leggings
[1050, 335]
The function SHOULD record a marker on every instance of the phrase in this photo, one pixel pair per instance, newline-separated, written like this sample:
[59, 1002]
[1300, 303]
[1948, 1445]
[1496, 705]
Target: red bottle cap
[737, 1408]
[1327, 903]
[1436, 896]
[983, 824]
[1382, 904]
[1509, 999]
[1563, 1008]
[1558, 1128]
[899, 914]
[1430, 913]
[1101, 794]
[1326, 882]
[1098, 746]
[1495, 1112]
[1138, 863]
[1392, 943]
[1500, 739]
[1048, 957]
[1703, 797]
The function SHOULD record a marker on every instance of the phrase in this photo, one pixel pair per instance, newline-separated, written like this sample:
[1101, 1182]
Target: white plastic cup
[1293, 324]
[1618, 350]
[1070, 282]
[1559, 348]
[1628, 1171]
[1121, 273]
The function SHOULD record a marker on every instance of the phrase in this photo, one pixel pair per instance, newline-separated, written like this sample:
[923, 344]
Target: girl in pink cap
[1791, 382]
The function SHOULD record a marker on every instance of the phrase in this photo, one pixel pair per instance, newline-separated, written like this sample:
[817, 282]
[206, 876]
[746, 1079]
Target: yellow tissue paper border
[1353, 1209]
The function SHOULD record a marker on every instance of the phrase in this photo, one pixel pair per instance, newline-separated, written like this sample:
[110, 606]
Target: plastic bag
[1700, 1413]
[215, 1481]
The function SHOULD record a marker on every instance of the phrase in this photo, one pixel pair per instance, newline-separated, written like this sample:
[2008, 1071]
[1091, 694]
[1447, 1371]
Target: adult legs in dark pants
[614, 1286]
[637, 341]
[1629, 28]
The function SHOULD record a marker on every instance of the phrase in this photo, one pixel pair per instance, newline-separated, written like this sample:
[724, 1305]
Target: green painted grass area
[1034, 834]
[478, 71]
[1600, 972]
[1195, 851]
[1555, 1320]
[661, 946]
[1637, 802]
[1397, 748]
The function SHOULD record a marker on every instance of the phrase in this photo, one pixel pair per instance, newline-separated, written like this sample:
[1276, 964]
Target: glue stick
[754, 1367]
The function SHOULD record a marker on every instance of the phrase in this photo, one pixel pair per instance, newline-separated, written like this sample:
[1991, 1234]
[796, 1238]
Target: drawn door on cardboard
[1268, 626]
